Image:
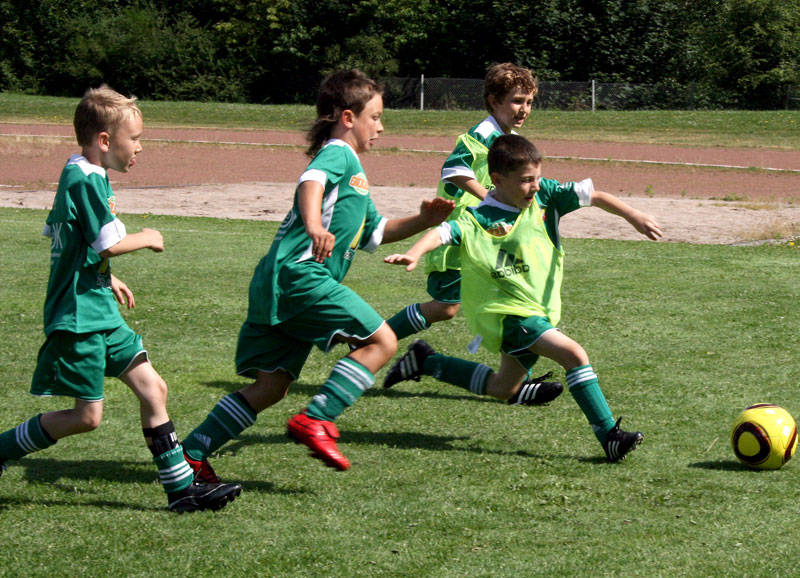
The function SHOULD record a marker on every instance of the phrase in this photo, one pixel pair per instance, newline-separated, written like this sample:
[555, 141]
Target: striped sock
[173, 471]
[26, 438]
[585, 389]
[459, 372]
[229, 418]
[408, 321]
[346, 383]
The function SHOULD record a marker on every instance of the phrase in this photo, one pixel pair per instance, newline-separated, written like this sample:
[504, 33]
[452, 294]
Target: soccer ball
[764, 436]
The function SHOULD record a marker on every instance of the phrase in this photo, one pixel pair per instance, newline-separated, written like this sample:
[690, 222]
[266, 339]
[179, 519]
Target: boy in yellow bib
[511, 267]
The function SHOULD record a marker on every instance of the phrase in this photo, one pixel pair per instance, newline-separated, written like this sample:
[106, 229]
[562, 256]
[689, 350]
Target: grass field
[771, 129]
[443, 483]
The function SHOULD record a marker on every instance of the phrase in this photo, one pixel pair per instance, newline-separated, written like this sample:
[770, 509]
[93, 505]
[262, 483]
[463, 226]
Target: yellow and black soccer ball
[764, 436]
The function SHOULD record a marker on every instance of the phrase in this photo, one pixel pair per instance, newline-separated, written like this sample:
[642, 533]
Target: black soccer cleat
[199, 497]
[537, 391]
[619, 442]
[410, 365]
[2, 468]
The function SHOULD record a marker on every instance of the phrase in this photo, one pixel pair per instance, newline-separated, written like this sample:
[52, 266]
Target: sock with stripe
[585, 389]
[459, 372]
[26, 438]
[346, 383]
[229, 418]
[408, 321]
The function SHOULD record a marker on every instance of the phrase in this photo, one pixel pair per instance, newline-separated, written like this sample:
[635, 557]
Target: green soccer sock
[347, 382]
[585, 389]
[408, 321]
[26, 438]
[229, 418]
[459, 372]
[173, 471]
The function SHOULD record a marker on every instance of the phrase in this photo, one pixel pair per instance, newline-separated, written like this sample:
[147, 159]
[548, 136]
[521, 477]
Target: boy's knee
[155, 391]
[442, 311]
[89, 417]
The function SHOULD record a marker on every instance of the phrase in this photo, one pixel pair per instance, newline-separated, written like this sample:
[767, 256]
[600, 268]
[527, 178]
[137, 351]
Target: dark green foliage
[746, 53]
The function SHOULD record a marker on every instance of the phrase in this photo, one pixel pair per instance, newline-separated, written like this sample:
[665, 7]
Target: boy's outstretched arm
[431, 213]
[429, 241]
[642, 222]
[144, 239]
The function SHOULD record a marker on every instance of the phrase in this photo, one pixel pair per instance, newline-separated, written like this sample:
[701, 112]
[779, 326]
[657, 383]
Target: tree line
[275, 51]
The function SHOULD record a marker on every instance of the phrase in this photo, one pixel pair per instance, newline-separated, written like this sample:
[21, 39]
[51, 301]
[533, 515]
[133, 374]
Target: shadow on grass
[725, 465]
[61, 474]
[397, 440]
[7, 503]
[311, 389]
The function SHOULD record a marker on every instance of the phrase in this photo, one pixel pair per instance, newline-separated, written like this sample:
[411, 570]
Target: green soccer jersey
[468, 159]
[553, 198]
[288, 279]
[81, 224]
[466, 162]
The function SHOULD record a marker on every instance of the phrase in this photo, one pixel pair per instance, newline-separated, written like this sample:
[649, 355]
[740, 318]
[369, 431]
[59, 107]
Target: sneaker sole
[218, 503]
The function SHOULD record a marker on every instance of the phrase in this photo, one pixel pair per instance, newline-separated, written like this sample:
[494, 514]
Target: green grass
[771, 129]
[443, 483]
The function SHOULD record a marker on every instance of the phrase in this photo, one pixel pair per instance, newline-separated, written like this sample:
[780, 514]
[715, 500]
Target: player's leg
[175, 474]
[342, 316]
[478, 378]
[273, 359]
[445, 289]
[70, 365]
[585, 389]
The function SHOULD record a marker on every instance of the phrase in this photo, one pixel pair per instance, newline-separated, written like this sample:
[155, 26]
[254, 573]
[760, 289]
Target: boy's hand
[154, 240]
[397, 259]
[435, 211]
[322, 242]
[646, 225]
[122, 294]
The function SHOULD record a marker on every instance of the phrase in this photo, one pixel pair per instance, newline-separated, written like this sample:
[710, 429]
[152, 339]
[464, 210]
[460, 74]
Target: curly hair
[503, 78]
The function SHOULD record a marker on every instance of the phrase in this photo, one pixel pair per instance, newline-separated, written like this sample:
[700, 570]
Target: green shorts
[445, 286]
[519, 333]
[74, 364]
[286, 345]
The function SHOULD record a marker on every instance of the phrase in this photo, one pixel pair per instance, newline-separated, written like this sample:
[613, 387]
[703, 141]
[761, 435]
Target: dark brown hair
[340, 91]
[511, 151]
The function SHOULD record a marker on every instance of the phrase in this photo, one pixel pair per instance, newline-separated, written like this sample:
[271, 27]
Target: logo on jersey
[112, 204]
[507, 265]
[499, 229]
[288, 220]
[359, 184]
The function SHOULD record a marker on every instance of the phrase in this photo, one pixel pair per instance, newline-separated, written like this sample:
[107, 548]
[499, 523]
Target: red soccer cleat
[320, 437]
[203, 472]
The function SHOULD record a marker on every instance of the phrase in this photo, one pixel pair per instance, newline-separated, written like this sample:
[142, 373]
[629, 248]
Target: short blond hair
[501, 79]
[102, 110]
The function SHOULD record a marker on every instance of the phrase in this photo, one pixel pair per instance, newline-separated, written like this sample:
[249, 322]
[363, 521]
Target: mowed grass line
[443, 483]
[763, 129]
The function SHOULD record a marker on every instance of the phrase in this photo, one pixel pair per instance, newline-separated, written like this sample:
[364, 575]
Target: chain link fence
[467, 94]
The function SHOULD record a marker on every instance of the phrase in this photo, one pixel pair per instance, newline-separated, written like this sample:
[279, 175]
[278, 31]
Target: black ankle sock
[160, 439]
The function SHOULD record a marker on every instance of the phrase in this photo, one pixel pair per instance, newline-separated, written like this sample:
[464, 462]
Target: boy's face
[519, 187]
[512, 111]
[121, 147]
[366, 126]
